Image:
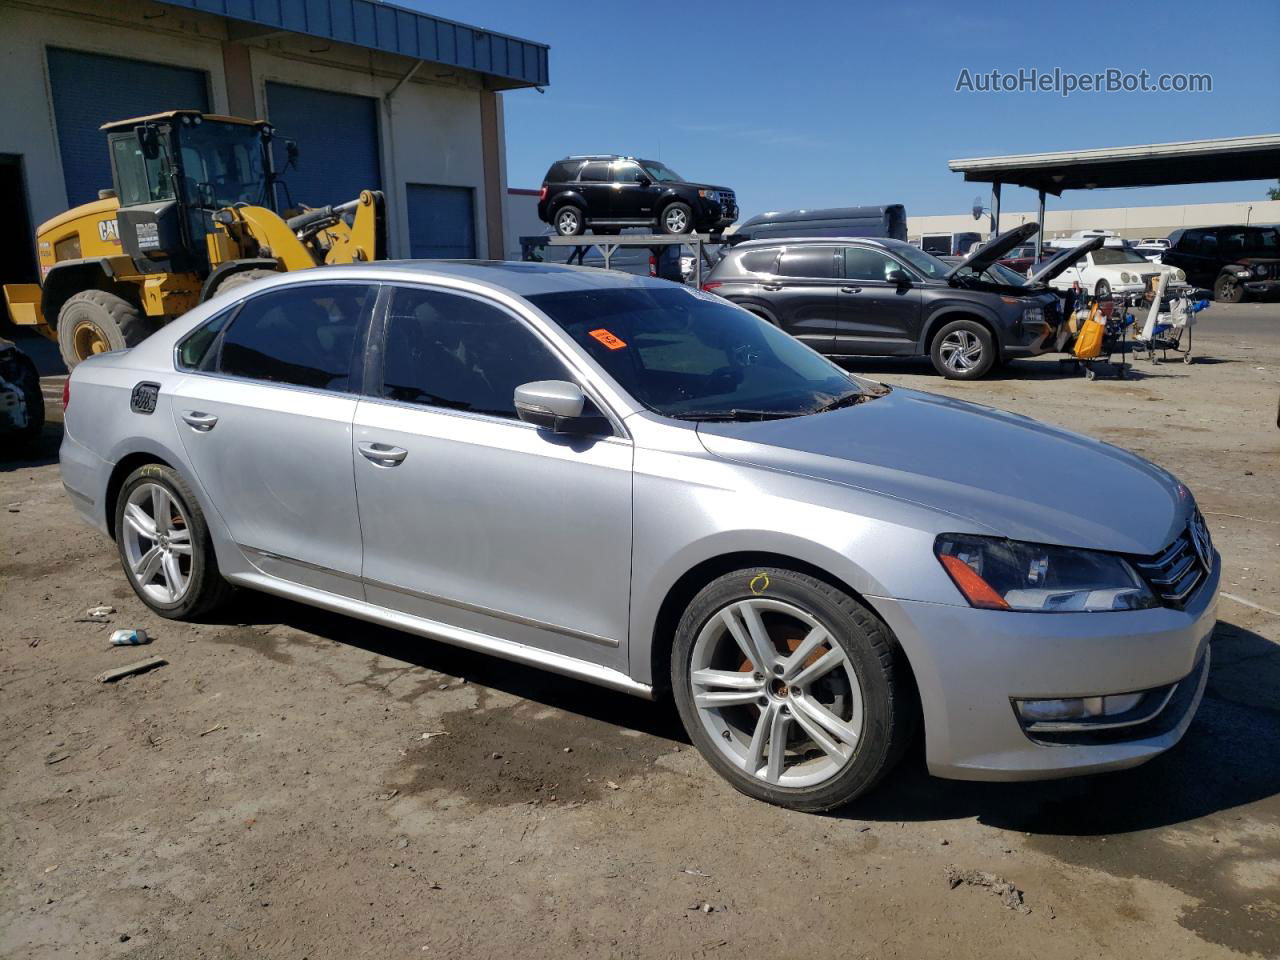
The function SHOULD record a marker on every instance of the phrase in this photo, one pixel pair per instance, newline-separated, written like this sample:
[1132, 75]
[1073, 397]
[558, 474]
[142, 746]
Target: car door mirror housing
[644, 181]
[899, 277]
[558, 406]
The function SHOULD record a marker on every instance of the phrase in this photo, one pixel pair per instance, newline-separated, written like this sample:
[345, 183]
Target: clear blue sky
[812, 104]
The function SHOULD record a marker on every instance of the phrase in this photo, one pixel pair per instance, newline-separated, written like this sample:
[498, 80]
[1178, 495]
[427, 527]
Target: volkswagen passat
[646, 487]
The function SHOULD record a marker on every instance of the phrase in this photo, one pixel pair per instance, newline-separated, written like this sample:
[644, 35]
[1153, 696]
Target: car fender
[558, 200]
[949, 310]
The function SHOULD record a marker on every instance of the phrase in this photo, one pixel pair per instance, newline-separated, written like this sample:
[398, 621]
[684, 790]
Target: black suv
[882, 297]
[1231, 261]
[607, 192]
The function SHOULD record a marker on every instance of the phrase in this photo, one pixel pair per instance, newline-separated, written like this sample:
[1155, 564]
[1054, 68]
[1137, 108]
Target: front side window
[863, 263]
[453, 351]
[626, 171]
[817, 263]
[683, 353]
[300, 335]
[929, 265]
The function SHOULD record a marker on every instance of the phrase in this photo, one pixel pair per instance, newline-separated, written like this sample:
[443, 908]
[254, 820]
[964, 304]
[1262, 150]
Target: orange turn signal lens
[976, 590]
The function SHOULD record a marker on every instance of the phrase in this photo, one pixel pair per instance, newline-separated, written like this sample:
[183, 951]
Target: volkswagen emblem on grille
[1200, 538]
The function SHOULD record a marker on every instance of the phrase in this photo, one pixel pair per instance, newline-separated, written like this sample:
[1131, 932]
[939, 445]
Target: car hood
[710, 186]
[1061, 261]
[1001, 471]
[988, 253]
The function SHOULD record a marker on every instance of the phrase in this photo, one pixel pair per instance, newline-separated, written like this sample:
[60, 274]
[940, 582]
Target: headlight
[1127, 278]
[1033, 315]
[997, 574]
[712, 195]
[1260, 270]
[1178, 276]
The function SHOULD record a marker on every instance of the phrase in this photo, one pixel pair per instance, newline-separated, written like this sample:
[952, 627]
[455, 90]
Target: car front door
[878, 316]
[473, 518]
[267, 429]
[805, 294]
[633, 192]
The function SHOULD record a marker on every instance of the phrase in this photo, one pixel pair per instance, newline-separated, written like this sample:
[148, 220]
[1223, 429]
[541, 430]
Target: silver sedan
[644, 486]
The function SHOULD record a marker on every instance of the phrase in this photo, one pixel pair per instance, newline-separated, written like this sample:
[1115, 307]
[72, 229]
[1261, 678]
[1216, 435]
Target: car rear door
[596, 189]
[878, 316]
[805, 294]
[471, 517]
[267, 429]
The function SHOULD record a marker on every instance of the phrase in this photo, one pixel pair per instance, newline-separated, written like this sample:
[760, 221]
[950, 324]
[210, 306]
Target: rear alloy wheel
[1103, 290]
[787, 687]
[95, 321]
[569, 222]
[1227, 289]
[963, 350]
[677, 218]
[164, 545]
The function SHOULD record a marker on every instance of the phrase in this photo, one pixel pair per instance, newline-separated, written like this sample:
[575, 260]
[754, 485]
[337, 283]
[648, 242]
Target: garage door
[337, 136]
[442, 221]
[90, 89]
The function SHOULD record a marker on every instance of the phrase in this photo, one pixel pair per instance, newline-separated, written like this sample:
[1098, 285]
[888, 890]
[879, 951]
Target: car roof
[883, 242]
[524, 279]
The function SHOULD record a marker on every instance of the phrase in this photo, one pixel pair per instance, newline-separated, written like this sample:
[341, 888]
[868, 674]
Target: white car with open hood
[1114, 270]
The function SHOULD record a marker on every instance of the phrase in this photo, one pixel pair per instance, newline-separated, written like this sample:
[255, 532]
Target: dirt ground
[294, 784]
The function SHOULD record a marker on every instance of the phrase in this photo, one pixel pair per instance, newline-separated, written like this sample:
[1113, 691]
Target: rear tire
[569, 221]
[846, 686]
[963, 350]
[28, 381]
[95, 321]
[190, 587]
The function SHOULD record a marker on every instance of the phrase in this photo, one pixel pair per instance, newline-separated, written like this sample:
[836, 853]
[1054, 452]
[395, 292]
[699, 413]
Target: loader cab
[173, 171]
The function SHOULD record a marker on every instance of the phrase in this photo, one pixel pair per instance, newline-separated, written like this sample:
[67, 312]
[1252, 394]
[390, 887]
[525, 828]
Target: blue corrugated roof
[384, 26]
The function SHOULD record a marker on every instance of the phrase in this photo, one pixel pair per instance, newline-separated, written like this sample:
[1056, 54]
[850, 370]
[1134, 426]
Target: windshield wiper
[844, 400]
[737, 414]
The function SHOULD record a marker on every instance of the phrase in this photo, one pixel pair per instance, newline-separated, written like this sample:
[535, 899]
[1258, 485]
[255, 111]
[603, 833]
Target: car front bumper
[970, 665]
[1261, 288]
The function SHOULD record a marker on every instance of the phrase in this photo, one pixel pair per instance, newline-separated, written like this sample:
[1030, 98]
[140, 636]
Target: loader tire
[240, 278]
[95, 321]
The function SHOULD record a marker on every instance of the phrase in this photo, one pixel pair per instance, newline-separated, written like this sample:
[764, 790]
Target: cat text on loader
[195, 210]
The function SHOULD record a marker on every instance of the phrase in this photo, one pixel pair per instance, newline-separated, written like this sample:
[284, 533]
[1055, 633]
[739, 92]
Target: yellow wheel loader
[195, 210]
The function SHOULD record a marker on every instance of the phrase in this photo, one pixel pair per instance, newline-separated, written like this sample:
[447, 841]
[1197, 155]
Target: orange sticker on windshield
[608, 339]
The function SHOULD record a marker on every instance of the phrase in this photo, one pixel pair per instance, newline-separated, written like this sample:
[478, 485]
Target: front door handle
[773, 286]
[199, 421]
[382, 454]
[850, 289]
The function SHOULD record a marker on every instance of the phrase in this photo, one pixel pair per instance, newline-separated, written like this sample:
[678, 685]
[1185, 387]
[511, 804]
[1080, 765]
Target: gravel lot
[295, 784]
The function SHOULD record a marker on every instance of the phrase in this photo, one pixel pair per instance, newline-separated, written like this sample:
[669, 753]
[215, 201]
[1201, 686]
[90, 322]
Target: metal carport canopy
[1149, 165]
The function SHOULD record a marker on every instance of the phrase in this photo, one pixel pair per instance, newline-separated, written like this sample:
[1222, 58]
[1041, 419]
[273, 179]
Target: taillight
[542, 194]
[653, 265]
[66, 392]
[712, 284]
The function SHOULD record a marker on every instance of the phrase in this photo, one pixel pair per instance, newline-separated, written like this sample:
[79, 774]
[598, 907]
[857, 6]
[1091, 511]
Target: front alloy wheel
[790, 688]
[961, 351]
[1228, 289]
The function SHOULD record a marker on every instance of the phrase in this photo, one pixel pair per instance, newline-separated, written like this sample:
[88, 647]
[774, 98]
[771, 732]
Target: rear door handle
[382, 454]
[850, 289]
[772, 286]
[199, 421]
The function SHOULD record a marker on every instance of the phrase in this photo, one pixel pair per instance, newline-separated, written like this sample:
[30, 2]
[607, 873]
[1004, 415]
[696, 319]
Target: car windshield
[926, 263]
[223, 164]
[684, 353]
[1110, 255]
[661, 172]
[996, 273]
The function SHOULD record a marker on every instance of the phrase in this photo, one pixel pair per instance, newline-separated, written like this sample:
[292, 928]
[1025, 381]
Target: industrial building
[376, 96]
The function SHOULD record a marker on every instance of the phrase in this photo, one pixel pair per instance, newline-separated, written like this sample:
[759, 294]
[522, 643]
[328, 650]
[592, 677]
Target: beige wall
[431, 130]
[1131, 222]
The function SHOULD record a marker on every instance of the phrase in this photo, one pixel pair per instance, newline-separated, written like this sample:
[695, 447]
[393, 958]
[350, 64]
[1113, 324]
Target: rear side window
[563, 171]
[818, 263]
[195, 348]
[304, 335]
[447, 350]
[595, 172]
[759, 261]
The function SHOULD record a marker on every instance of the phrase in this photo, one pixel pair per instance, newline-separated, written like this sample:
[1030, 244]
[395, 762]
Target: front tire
[790, 688]
[677, 218]
[33, 398]
[963, 350]
[164, 546]
[1227, 289]
[1103, 290]
[95, 321]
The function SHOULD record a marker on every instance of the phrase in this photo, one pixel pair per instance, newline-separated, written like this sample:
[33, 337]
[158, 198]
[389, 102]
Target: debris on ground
[611, 785]
[702, 907]
[56, 758]
[389, 795]
[1009, 895]
[142, 666]
[130, 638]
[214, 729]
[695, 873]
[99, 613]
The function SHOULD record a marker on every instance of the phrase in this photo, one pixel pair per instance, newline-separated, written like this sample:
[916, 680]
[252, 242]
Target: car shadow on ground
[1226, 760]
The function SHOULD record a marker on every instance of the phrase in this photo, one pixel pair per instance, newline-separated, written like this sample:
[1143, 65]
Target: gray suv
[882, 297]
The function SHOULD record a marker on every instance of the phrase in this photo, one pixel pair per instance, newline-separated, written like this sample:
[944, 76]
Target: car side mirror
[148, 140]
[645, 182]
[558, 406]
[291, 154]
[899, 277]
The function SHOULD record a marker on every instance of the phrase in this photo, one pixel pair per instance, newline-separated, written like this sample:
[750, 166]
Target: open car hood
[995, 248]
[1059, 262]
